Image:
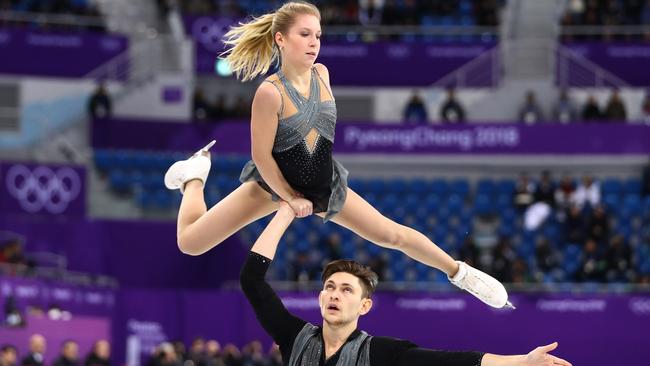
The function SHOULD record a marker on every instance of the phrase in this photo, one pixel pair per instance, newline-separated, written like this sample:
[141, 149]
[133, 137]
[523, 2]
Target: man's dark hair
[366, 276]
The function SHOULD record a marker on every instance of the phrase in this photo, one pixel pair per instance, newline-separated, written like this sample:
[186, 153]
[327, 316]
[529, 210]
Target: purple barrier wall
[78, 299]
[592, 329]
[137, 254]
[234, 137]
[84, 330]
[359, 63]
[45, 190]
[56, 54]
[628, 61]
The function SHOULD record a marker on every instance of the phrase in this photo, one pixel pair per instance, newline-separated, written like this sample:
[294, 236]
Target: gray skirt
[333, 202]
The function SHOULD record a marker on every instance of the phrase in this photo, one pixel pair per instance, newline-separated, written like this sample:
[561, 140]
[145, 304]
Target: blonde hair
[251, 48]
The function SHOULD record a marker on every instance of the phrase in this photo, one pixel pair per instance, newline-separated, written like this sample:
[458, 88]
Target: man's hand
[540, 357]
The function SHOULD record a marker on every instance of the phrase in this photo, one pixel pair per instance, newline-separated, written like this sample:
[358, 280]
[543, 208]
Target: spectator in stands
[332, 246]
[598, 225]
[100, 104]
[587, 193]
[181, 352]
[575, 226]
[200, 107]
[275, 356]
[370, 12]
[547, 258]
[543, 202]
[213, 353]
[615, 110]
[530, 112]
[591, 110]
[69, 354]
[469, 252]
[564, 111]
[592, 264]
[302, 268]
[197, 352]
[503, 256]
[415, 111]
[645, 108]
[523, 195]
[252, 354]
[100, 354]
[619, 261]
[37, 347]
[451, 110]
[231, 355]
[645, 180]
[564, 193]
[391, 13]
[165, 355]
[8, 355]
[242, 109]
[220, 109]
[13, 316]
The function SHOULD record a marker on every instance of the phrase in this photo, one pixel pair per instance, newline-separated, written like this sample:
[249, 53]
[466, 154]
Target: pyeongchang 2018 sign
[42, 189]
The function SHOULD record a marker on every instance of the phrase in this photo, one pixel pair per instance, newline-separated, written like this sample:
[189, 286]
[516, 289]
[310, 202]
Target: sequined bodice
[312, 113]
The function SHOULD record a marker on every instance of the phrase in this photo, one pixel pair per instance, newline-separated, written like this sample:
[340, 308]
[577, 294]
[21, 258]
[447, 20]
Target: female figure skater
[293, 120]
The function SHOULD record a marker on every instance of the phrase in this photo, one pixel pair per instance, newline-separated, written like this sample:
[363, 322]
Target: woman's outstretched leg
[360, 217]
[199, 229]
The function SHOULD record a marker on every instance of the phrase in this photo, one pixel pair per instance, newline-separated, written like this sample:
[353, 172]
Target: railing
[486, 69]
[575, 70]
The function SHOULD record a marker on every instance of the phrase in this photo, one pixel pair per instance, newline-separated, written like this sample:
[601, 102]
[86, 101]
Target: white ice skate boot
[481, 285]
[196, 167]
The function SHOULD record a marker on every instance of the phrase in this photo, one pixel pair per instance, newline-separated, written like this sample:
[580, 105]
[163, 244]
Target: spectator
[451, 110]
[165, 355]
[69, 354]
[591, 110]
[415, 111]
[547, 258]
[545, 191]
[370, 12]
[8, 355]
[645, 180]
[599, 225]
[231, 355]
[252, 354]
[200, 107]
[530, 113]
[332, 246]
[544, 201]
[503, 256]
[564, 111]
[523, 195]
[219, 109]
[645, 108]
[615, 110]
[275, 356]
[180, 351]
[100, 104]
[564, 193]
[100, 354]
[303, 269]
[37, 347]
[197, 352]
[575, 226]
[619, 261]
[592, 264]
[13, 316]
[213, 353]
[242, 108]
[587, 193]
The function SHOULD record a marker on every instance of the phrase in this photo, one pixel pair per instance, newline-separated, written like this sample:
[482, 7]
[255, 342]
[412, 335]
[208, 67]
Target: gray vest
[308, 347]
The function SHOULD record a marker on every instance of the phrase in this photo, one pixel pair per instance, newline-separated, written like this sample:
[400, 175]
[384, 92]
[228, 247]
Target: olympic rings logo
[209, 32]
[43, 188]
[640, 305]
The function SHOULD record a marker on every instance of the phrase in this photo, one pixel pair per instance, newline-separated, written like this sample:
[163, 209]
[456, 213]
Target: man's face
[37, 344]
[341, 300]
[9, 357]
[71, 351]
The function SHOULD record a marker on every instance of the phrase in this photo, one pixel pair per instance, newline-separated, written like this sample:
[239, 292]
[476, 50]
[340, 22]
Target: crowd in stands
[210, 353]
[607, 14]
[59, 15]
[367, 12]
[68, 354]
[565, 110]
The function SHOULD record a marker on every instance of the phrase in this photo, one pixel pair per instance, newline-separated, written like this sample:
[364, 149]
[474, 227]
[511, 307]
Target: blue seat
[396, 186]
[506, 187]
[439, 187]
[483, 205]
[460, 187]
[632, 186]
[418, 186]
[377, 187]
[611, 186]
[485, 186]
[455, 204]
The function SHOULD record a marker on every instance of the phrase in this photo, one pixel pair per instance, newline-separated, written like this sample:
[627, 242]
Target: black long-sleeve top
[283, 327]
